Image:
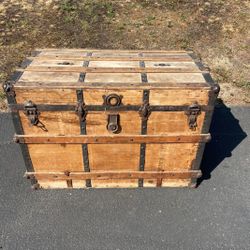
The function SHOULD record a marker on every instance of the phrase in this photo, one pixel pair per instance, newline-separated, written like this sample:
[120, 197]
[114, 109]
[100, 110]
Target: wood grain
[112, 139]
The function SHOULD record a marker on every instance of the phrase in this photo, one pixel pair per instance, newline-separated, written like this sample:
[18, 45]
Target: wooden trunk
[108, 118]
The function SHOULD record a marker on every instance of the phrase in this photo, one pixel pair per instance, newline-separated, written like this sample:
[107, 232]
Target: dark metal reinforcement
[82, 120]
[215, 89]
[10, 94]
[144, 113]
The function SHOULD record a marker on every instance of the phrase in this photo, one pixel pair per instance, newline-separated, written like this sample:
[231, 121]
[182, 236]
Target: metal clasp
[30, 110]
[145, 110]
[193, 111]
[81, 111]
[113, 100]
[113, 123]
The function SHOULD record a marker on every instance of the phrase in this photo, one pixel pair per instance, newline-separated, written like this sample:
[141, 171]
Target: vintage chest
[111, 118]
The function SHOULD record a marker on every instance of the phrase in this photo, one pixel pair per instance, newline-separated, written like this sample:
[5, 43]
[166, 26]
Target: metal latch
[113, 123]
[192, 112]
[113, 100]
[30, 110]
[81, 111]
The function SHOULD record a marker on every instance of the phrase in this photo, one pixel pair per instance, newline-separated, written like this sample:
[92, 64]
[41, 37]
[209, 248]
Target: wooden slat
[109, 50]
[102, 175]
[109, 70]
[162, 58]
[116, 139]
[100, 85]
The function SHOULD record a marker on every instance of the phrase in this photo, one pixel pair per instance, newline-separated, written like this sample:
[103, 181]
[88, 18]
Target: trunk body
[102, 118]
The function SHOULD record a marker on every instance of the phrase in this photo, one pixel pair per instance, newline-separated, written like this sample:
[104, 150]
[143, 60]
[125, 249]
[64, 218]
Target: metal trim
[80, 99]
[17, 122]
[144, 122]
[85, 64]
[153, 108]
[83, 131]
[208, 115]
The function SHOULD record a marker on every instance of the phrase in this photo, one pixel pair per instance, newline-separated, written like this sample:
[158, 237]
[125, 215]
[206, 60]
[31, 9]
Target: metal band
[145, 99]
[208, 115]
[83, 130]
[144, 77]
[17, 122]
[63, 107]
[85, 64]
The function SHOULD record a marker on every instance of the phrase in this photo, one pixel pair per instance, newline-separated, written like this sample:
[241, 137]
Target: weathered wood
[115, 58]
[116, 139]
[113, 51]
[112, 85]
[101, 175]
[62, 142]
[109, 70]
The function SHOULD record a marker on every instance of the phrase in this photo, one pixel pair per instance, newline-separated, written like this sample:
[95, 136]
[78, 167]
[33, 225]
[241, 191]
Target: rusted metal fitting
[216, 88]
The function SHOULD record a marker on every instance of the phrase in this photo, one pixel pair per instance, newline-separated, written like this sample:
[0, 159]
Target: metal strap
[80, 99]
[85, 64]
[145, 98]
[18, 125]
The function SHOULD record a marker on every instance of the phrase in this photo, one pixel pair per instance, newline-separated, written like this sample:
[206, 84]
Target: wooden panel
[130, 123]
[57, 52]
[126, 183]
[48, 184]
[170, 156]
[59, 157]
[172, 122]
[46, 96]
[113, 77]
[175, 77]
[180, 97]
[114, 157]
[57, 63]
[161, 64]
[55, 123]
[130, 97]
[28, 76]
[115, 64]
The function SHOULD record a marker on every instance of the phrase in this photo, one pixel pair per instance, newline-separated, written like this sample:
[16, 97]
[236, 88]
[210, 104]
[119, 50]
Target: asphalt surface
[216, 215]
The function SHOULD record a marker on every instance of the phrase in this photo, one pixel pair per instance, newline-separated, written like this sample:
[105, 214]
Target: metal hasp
[193, 111]
[113, 123]
[81, 111]
[30, 110]
[113, 100]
